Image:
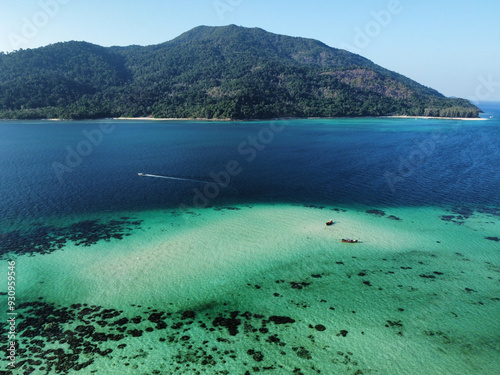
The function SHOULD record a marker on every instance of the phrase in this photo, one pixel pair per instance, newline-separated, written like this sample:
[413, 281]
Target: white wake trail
[171, 178]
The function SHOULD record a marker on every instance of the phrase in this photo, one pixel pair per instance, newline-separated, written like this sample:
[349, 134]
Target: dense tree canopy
[210, 72]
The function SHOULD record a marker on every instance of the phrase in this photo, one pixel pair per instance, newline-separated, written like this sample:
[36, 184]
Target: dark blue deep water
[52, 169]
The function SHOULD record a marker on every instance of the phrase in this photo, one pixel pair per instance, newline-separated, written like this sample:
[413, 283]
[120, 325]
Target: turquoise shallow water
[114, 276]
[271, 287]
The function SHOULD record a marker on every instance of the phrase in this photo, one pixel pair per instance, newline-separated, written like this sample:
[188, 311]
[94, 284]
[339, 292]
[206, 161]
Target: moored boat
[348, 240]
[330, 222]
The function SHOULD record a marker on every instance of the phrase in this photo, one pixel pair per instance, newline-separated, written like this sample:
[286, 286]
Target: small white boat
[140, 174]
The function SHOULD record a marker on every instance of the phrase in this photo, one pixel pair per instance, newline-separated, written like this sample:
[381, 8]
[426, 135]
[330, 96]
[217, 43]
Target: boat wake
[171, 178]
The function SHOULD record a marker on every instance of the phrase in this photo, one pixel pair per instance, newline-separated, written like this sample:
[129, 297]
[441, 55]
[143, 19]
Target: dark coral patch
[496, 239]
[228, 208]
[392, 217]
[428, 276]
[315, 206]
[447, 217]
[465, 212]
[457, 219]
[256, 355]
[298, 285]
[135, 333]
[45, 239]
[303, 353]
[230, 323]
[91, 332]
[281, 319]
[376, 212]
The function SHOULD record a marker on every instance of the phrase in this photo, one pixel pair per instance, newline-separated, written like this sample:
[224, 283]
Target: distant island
[228, 72]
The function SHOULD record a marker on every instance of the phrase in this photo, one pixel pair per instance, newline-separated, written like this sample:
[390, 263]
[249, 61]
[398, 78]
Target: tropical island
[228, 72]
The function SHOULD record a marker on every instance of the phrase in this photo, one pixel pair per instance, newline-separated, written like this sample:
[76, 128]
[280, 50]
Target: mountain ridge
[211, 72]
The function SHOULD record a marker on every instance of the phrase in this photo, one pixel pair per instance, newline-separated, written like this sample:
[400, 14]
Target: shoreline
[437, 118]
[236, 120]
[175, 119]
[296, 118]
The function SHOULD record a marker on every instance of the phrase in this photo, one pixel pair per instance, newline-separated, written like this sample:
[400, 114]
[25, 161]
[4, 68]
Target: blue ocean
[172, 247]
[53, 168]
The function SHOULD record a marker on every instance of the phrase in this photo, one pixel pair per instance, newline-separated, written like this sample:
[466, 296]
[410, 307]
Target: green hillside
[226, 72]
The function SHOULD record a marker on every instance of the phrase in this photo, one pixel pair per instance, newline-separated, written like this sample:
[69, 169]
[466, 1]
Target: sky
[451, 46]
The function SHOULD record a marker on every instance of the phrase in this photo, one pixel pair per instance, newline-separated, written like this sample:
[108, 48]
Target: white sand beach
[438, 118]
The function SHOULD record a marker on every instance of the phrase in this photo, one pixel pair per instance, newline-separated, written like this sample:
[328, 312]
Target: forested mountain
[225, 72]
